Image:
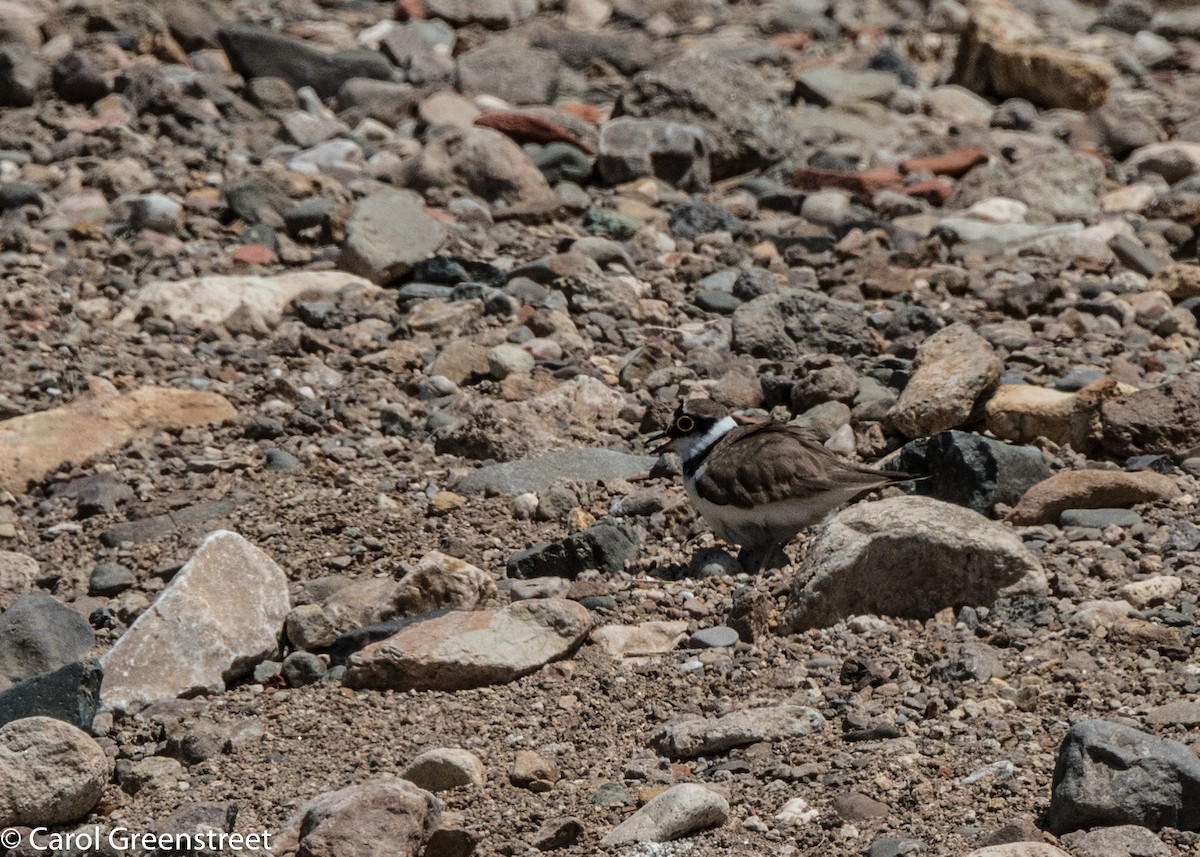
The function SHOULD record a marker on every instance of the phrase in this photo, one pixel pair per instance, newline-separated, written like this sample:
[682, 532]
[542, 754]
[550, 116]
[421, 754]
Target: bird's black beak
[662, 447]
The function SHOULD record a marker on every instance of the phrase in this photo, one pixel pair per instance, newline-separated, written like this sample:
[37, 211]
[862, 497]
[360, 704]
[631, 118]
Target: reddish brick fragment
[933, 191]
[410, 10]
[867, 182]
[527, 128]
[254, 254]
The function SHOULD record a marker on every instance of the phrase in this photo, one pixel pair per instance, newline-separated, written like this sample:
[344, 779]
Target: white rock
[999, 209]
[1155, 590]
[218, 617]
[647, 638]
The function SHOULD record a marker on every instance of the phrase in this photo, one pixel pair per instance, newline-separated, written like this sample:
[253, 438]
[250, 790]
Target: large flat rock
[537, 474]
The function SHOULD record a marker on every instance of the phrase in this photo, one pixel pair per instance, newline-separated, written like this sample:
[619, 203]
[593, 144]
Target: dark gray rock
[22, 76]
[19, 194]
[671, 151]
[510, 70]
[716, 637]
[538, 474]
[970, 470]
[699, 216]
[78, 79]
[258, 52]
[1134, 255]
[604, 546]
[561, 162]
[39, 634]
[743, 116]
[1109, 774]
[301, 668]
[70, 693]
[110, 578]
[786, 325]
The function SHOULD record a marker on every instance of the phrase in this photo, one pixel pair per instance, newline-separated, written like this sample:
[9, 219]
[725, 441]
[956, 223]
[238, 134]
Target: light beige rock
[206, 302]
[1019, 849]
[680, 810]
[99, 420]
[460, 650]
[461, 361]
[954, 369]
[218, 617]
[700, 736]
[50, 772]
[1003, 52]
[646, 638]
[354, 821]
[1022, 413]
[1155, 590]
[1090, 489]
[363, 601]
[17, 573]
[445, 768]
[910, 557]
[441, 581]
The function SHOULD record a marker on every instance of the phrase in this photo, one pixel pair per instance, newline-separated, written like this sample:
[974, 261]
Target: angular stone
[442, 769]
[1022, 413]
[955, 369]
[971, 470]
[22, 76]
[1002, 53]
[701, 736]
[205, 302]
[1110, 774]
[746, 124]
[70, 694]
[1160, 420]
[258, 52]
[440, 582]
[828, 86]
[353, 821]
[388, 234]
[50, 773]
[670, 151]
[604, 546]
[909, 557]
[790, 324]
[680, 810]
[1181, 712]
[1090, 489]
[218, 617]
[1174, 161]
[99, 420]
[510, 70]
[39, 634]
[486, 162]
[461, 650]
[645, 638]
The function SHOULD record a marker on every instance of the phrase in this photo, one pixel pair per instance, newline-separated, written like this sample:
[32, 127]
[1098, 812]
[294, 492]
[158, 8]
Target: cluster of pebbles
[332, 332]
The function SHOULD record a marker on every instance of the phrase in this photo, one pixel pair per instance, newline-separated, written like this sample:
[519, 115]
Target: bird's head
[692, 421]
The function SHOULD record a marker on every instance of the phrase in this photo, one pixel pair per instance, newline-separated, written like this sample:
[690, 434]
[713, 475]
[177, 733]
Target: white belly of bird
[768, 523]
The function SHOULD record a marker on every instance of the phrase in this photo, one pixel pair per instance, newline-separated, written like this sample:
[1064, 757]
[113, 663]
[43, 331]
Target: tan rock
[1154, 590]
[218, 617]
[441, 581]
[355, 820]
[99, 420]
[17, 573]
[1022, 413]
[206, 302]
[50, 772]
[460, 650]
[532, 771]
[1003, 52]
[1090, 489]
[445, 768]
[955, 369]
[1179, 280]
[462, 361]
[647, 638]
[1019, 849]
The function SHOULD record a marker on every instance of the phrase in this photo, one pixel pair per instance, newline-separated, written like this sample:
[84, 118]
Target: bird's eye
[685, 424]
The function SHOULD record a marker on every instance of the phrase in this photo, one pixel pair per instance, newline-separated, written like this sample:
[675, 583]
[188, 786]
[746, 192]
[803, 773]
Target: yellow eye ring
[685, 424]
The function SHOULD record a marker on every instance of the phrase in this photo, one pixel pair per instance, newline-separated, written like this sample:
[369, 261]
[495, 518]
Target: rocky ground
[389, 296]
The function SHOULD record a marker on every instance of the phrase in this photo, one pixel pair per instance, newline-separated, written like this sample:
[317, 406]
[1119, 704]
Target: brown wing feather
[771, 462]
